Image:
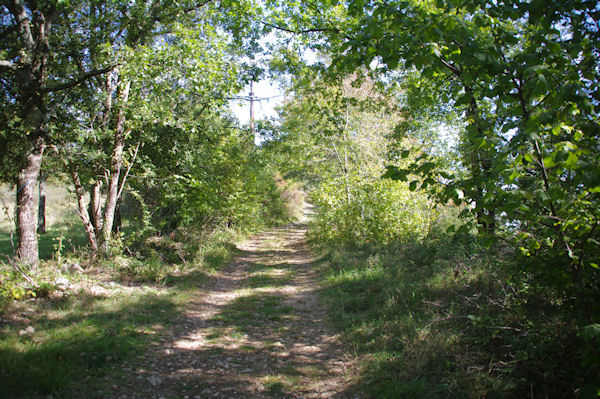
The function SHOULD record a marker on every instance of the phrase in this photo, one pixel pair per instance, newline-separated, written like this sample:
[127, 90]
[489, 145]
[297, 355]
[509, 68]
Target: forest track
[258, 330]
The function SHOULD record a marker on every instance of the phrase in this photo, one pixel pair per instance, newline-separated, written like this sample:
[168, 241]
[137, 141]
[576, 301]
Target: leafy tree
[30, 78]
[188, 66]
[341, 132]
[58, 56]
[524, 77]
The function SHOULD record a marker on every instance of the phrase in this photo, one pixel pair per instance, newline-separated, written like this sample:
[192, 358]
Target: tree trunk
[26, 224]
[33, 27]
[83, 213]
[41, 229]
[118, 223]
[115, 170]
[346, 170]
[95, 207]
[480, 168]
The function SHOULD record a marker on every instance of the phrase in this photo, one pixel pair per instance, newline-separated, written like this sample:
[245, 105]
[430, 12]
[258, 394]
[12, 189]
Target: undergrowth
[75, 339]
[64, 329]
[447, 317]
[64, 334]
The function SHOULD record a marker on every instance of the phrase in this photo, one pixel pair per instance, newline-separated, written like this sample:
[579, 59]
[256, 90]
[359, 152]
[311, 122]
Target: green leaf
[413, 185]
[515, 173]
[593, 241]
[589, 392]
[549, 161]
[591, 331]
[394, 173]
[535, 69]
[541, 195]
[464, 100]
[426, 168]
[572, 160]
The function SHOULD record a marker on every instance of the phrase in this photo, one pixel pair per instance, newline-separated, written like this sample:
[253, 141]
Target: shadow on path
[257, 331]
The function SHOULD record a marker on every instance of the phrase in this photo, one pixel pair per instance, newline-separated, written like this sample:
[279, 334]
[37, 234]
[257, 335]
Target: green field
[64, 230]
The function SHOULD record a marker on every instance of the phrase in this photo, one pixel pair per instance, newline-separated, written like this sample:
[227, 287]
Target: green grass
[154, 270]
[81, 339]
[250, 310]
[80, 336]
[264, 276]
[445, 319]
[217, 249]
[274, 385]
[61, 237]
[253, 310]
[289, 379]
[65, 231]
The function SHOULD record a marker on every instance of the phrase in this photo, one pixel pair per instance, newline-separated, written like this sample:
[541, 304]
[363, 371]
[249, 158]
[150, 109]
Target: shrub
[378, 211]
[13, 286]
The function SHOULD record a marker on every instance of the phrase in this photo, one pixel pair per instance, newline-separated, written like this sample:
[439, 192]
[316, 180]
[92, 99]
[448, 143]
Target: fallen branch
[25, 276]
[21, 272]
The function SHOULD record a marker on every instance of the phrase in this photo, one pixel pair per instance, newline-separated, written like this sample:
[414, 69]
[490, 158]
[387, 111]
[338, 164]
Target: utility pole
[252, 110]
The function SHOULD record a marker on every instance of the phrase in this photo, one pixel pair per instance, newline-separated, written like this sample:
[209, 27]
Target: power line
[258, 99]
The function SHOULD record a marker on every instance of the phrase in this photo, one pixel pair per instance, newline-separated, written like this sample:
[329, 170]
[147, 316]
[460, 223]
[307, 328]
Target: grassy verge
[64, 342]
[444, 318]
[77, 338]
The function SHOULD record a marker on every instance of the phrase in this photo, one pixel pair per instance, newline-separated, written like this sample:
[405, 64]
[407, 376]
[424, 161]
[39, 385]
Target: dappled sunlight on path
[257, 331]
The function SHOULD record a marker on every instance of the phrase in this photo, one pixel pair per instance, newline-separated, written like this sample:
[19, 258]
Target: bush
[446, 316]
[13, 285]
[379, 211]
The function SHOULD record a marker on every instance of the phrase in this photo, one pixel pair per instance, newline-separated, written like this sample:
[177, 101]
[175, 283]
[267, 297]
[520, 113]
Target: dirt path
[258, 331]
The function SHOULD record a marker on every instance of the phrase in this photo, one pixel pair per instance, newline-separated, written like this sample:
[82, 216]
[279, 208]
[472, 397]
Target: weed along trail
[257, 330]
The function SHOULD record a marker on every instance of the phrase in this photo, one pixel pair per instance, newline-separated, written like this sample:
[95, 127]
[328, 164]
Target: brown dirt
[257, 331]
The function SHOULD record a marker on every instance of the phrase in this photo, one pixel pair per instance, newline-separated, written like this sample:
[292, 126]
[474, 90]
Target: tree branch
[129, 168]
[17, 9]
[77, 81]
[299, 32]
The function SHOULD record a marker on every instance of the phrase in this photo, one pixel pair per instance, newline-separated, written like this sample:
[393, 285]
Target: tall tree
[339, 133]
[28, 80]
[54, 47]
[524, 75]
[162, 67]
